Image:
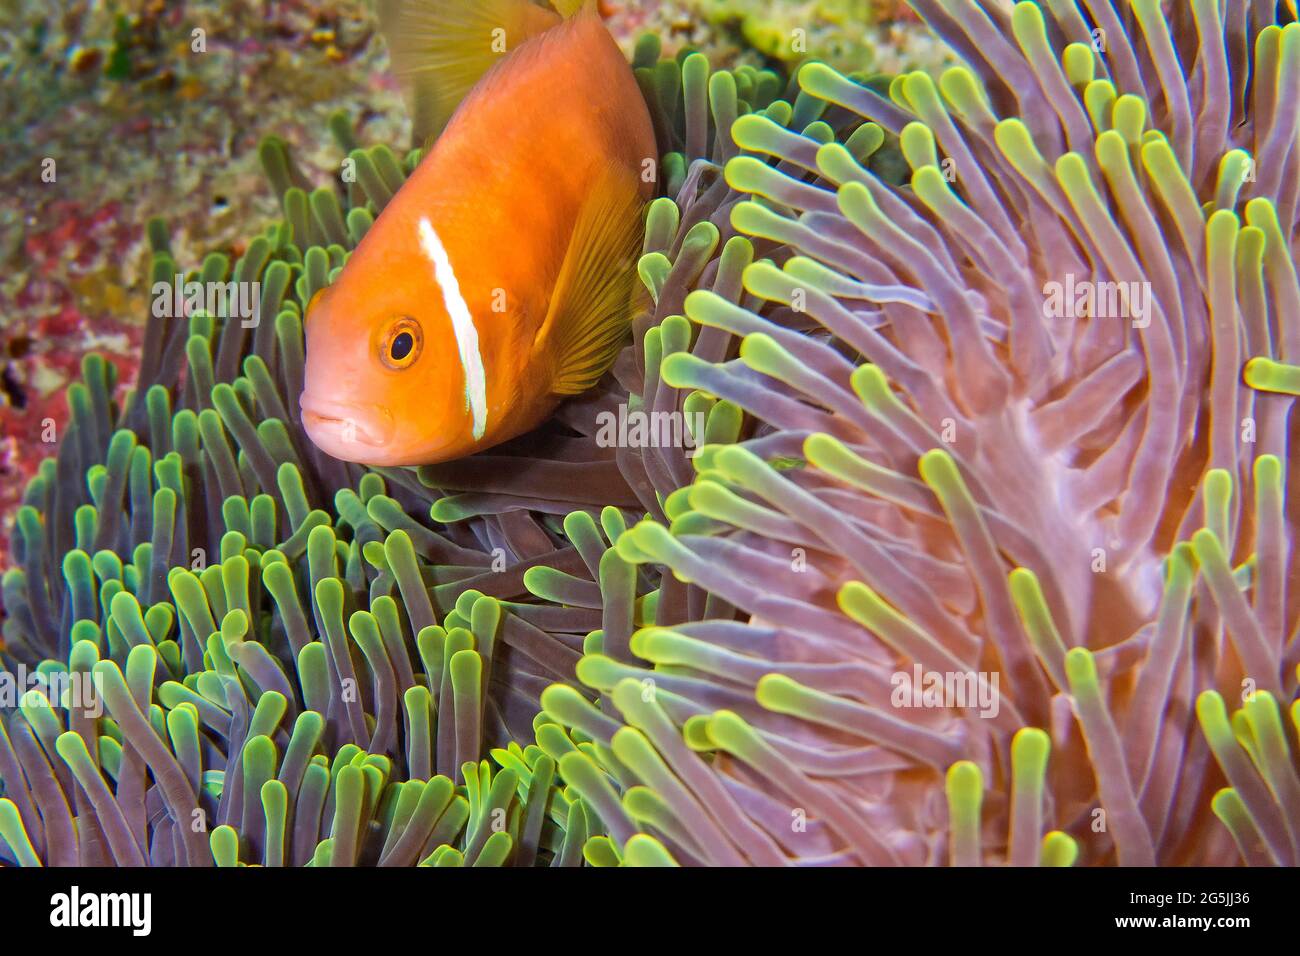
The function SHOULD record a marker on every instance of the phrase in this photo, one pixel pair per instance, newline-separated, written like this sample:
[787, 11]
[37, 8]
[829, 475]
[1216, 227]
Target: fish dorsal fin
[441, 48]
[591, 308]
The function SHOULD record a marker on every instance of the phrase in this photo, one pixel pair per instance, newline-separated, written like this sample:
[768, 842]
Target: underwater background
[560, 652]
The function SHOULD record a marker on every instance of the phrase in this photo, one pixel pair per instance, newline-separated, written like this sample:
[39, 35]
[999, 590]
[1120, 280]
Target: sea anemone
[995, 376]
[960, 459]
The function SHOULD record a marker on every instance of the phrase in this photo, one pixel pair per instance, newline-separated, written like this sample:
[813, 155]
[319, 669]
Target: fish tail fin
[441, 48]
[592, 305]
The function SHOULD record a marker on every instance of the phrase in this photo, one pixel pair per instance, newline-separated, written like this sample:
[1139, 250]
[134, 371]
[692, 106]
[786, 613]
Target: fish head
[383, 384]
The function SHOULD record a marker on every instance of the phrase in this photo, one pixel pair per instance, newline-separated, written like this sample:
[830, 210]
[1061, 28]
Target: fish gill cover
[980, 551]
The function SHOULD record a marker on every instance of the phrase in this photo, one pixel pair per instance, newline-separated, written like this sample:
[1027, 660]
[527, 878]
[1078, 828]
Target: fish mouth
[351, 431]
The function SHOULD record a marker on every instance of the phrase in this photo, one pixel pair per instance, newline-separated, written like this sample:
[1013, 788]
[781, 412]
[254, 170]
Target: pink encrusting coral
[63, 307]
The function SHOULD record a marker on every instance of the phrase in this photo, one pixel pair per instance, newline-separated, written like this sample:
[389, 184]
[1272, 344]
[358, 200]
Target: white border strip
[462, 324]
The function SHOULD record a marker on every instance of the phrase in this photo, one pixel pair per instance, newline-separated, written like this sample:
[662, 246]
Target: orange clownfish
[499, 279]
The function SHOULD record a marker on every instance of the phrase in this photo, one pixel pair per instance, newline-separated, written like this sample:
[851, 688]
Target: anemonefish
[500, 278]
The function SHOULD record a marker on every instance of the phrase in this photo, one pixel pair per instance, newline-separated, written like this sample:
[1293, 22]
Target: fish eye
[401, 344]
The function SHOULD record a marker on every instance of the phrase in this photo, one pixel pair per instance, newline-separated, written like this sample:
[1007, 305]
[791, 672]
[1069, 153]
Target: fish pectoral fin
[595, 295]
[441, 48]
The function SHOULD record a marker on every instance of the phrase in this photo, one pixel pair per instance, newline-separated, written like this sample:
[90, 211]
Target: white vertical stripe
[462, 324]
